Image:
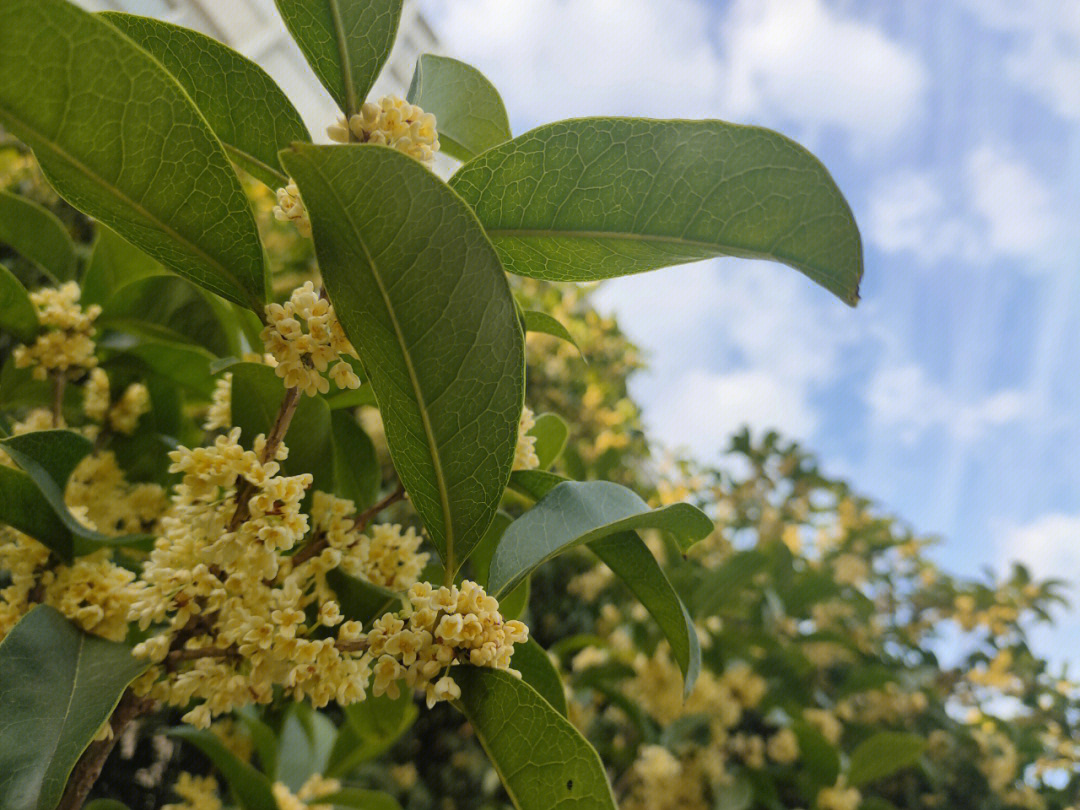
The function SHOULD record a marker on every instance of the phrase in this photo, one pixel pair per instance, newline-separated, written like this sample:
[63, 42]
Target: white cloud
[1044, 54]
[903, 398]
[787, 62]
[556, 58]
[704, 409]
[803, 61]
[1049, 546]
[1000, 209]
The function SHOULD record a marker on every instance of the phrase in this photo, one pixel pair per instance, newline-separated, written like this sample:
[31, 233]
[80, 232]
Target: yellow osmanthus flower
[304, 336]
[219, 414]
[197, 792]
[393, 122]
[783, 747]
[65, 343]
[660, 781]
[133, 403]
[525, 457]
[290, 208]
[96, 399]
[316, 787]
[839, 797]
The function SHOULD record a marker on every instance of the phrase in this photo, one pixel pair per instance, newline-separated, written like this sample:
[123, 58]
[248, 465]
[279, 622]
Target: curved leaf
[469, 112]
[303, 745]
[346, 42]
[535, 484]
[357, 472]
[882, 754]
[576, 512]
[593, 198]
[36, 233]
[251, 788]
[537, 671]
[551, 433]
[627, 555]
[820, 759]
[49, 457]
[371, 726]
[544, 763]
[359, 599]
[114, 262]
[120, 140]
[243, 106]
[423, 298]
[17, 313]
[60, 686]
[542, 322]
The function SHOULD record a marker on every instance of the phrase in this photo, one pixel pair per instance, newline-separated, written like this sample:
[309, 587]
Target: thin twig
[59, 382]
[245, 489]
[89, 766]
[176, 656]
[362, 519]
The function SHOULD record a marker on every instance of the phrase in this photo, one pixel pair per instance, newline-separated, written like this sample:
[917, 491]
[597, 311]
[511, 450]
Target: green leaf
[303, 745]
[48, 457]
[243, 106]
[883, 754]
[363, 799]
[480, 560]
[120, 140]
[551, 433]
[257, 393]
[36, 233]
[359, 599]
[423, 298]
[60, 686]
[542, 322]
[469, 113]
[371, 727]
[738, 795]
[535, 484]
[262, 737]
[251, 788]
[820, 759]
[183, 363]
[574, 513]
[17, 314]
[105, 804]
[23, 507]
[544, 763]
[537, 671]
[513, 604]
[114, 262]
[627, 555]
[357, 473]
[593, 198]
[346, 42]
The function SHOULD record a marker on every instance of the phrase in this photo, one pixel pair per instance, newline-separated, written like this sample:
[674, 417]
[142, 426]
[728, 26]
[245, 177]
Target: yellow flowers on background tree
[269, 516]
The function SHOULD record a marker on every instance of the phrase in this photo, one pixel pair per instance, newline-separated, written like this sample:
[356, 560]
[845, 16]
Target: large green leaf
[359, 599]
[882, 754]
[304, 745]
[628, 556]
[346, 42]
[114, 262]
[23, 507]
[17, 313]
[248, 112]
[357, 472]
[120, 140]
[49, 457]
[37, 234]
[551, 433]
[593, 198]
[537, 671]
[371, 726]
[469, 113]
[421, 294]
[576, 512]
[257, 393]
[820, 758]
[251, 788]
[59, 687]
[186, 364]
[544, 763]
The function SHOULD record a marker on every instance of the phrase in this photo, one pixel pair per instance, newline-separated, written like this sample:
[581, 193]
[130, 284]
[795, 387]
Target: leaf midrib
[115, 192]
[429, 433]
[351, 101]
[67, 709]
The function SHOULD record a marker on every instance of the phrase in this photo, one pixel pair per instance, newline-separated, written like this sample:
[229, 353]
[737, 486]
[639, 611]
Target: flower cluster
[392, 122]
[440, 628]
[290, 208]
[384, 554]
[219, 414]
[305, 337]
[122, 417]
[316, 787]
[525, 457]
[65, 343]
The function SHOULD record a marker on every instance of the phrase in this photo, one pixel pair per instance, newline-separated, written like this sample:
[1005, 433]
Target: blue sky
[953, 128]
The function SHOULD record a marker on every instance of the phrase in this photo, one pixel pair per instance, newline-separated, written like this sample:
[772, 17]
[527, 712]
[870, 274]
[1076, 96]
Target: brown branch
[318, 542]
[89, 766]
[176, 656]
[360, 645]
[245, 489]
[59, 382]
